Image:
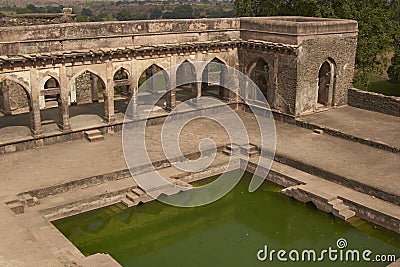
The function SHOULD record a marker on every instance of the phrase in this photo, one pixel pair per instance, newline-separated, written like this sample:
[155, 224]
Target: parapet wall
[36, 19]
[374, 102]
[72, 36]
[294, 30]
[102, 35]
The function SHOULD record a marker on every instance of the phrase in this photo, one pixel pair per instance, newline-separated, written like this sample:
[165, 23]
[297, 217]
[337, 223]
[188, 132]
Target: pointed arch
[122, 83]
[326, 84]
[86, 87]
[261, 74]
[186, 81]
[214, 77]
[159, 82]
[15, 96]
[16, 100]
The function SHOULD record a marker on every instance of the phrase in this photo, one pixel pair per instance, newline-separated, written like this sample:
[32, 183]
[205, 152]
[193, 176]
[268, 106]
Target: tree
[86, 12]
[375, 18]
[183, 12]
[155, 13]
[123, 15]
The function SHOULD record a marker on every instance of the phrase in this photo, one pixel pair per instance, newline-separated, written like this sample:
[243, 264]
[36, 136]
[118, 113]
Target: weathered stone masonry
[286, 53]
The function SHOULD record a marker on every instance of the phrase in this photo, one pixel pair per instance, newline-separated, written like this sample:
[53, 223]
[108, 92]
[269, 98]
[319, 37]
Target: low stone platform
[367, 127]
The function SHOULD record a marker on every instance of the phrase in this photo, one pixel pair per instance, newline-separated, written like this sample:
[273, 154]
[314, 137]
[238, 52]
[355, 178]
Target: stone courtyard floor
[361, 123]
[64, 162]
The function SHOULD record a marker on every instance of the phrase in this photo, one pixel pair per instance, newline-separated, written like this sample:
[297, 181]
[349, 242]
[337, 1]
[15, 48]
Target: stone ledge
[373, 101]
[347, 136]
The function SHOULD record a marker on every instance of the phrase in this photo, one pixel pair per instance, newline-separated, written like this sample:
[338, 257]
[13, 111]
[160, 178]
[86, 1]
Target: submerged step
[346, 214]
[127, 202]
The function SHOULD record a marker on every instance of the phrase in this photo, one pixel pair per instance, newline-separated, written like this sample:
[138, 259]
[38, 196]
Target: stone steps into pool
[341, 210]
[77, 201]
[307, 187]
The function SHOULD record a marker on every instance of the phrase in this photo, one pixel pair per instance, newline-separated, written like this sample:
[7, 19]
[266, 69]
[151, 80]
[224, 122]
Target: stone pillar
[234, 84]
[95, 88]
[109, 95]
[198, 85]
[63, 101]
[171, 95]
[6, 98]
[34, 104]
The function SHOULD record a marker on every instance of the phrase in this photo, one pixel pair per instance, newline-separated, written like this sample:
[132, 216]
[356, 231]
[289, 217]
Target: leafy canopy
[378, 22]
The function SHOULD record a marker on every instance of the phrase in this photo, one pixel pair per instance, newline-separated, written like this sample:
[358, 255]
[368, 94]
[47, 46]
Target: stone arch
[122, 89]
[260, 72]
[86, 86]
[87, 93]
[45, 76]
[15, 96]
[122, 82]
[214, 77]
[186, 81]
[50, 98]
[156, 87]
[16, 100]
[160, 83]
[326, 84]
[50, 92]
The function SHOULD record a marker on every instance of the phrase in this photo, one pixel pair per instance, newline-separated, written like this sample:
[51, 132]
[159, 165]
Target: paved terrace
[24, 242]
[63, 162]
[373, 127]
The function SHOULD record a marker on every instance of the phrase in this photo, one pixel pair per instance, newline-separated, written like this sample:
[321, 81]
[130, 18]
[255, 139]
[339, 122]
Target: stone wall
[282, 75]
[374, 102]
[36, 19]
[313, 53]
[83, 87]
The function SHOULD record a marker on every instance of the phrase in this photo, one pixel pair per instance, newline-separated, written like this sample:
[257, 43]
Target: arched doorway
[17, 118]
[121, 83]
[87, 88]
[122, 90]
[326, 84]
[87, 95]
[185, 79]
[213, 80]
[260, 75]
[51, 93]
[50, 102]
[153, 83]
[14, 98]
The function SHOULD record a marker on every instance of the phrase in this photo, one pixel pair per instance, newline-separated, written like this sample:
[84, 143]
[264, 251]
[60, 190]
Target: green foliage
[183, 12]
[86, 12]
[155, 13]
[377, 22]
[127, 15]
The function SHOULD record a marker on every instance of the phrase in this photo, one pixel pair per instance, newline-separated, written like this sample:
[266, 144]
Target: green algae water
[229, 232]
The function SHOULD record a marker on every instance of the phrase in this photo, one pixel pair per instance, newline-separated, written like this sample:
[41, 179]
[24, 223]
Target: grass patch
[381, 86]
